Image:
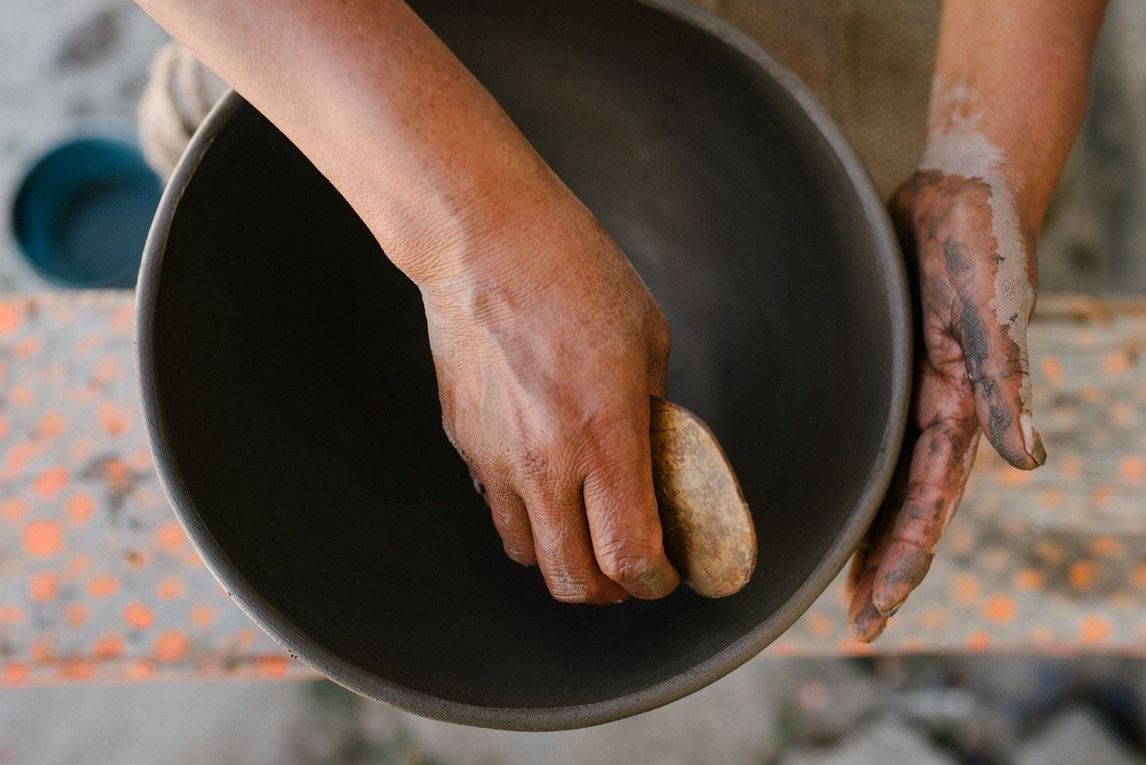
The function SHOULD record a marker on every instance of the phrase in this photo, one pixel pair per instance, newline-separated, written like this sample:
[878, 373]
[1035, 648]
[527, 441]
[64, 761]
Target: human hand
[547, 346]
[976, 270]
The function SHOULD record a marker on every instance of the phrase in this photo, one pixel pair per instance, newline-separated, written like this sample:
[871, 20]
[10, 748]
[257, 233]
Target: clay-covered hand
[547, 347]
[975, 269]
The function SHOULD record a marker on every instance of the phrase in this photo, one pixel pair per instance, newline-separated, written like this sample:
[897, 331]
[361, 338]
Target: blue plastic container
[82, 212]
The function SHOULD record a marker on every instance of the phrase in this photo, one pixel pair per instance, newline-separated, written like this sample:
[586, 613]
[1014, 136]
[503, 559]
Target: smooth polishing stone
[709, 535]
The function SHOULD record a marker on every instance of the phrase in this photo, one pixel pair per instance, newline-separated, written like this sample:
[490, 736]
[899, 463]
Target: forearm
[1016, 73]
[383, 109]
[1009, 95]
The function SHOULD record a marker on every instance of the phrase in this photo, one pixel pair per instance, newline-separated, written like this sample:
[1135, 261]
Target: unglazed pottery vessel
[291, 400]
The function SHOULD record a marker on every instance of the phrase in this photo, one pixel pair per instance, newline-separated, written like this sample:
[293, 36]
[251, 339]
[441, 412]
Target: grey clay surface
[292, 404]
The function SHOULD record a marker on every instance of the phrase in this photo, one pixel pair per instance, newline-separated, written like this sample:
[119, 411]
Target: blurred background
[76, 69]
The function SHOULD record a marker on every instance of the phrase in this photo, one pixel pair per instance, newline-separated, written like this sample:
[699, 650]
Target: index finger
[940, 465]
[621, 506]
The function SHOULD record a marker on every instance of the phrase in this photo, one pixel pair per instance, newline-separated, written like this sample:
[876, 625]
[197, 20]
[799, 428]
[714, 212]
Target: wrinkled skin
[968, 379]
[544, 377]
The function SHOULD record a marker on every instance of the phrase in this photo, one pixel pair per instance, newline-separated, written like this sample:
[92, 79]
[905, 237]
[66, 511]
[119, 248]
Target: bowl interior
[295, 399]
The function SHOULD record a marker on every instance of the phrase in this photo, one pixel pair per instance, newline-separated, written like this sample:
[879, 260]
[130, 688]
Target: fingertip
[1032, 440]
[1009, 445]
[1003, 412]
[646, 577]
[1017, 458]
[608, 593]
[563, 545]
[887, 604]
[1022, 445]
[521, 557]
[591, 590]
[1040, 455]
[511, 520]
[662, 580]
[867, 624]
[628, 540]
[901, 571]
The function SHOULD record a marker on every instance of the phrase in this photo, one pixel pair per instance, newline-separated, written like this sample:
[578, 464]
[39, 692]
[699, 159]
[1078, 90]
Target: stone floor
[922, 711]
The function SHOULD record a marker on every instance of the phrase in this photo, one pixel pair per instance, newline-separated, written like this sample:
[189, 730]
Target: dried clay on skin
[959, 147]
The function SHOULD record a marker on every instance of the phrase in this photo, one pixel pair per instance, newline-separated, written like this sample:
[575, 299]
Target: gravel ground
[921, 711]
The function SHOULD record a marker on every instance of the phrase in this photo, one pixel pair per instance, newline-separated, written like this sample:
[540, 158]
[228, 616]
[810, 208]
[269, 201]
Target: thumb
[993, 335]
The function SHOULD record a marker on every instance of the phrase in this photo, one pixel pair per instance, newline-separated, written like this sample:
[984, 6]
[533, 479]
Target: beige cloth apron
[869, 61]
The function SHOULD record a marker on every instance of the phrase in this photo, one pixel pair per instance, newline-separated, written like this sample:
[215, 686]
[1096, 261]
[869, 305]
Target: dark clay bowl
[291, 399]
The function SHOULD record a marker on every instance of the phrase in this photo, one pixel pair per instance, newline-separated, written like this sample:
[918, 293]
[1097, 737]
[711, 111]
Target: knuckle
[552, 514]
[530, 462]
[953, 434]
[600, 430]
[626, 559]
[1004, 365]
[613, 442]
[539, 461]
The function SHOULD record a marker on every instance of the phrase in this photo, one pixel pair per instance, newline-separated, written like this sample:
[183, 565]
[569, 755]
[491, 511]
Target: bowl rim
[343, 672]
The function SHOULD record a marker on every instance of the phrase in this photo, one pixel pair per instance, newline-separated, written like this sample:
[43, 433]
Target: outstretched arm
[1008, 98]
[546, 342]
[373, 98]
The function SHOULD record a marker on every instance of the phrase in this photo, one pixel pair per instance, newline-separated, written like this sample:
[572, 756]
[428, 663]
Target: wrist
[494, 236]
[967, 152]
[1015, 143]
[463, 201]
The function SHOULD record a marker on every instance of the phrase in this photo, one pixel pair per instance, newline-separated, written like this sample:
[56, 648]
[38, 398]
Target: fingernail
[647, 579]
[885, 605]
[657, 580]
[1032, 439]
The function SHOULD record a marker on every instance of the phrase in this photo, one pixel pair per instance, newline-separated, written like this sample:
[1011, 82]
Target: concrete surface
[926, 710]
[1074, 736]
[886, 741]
